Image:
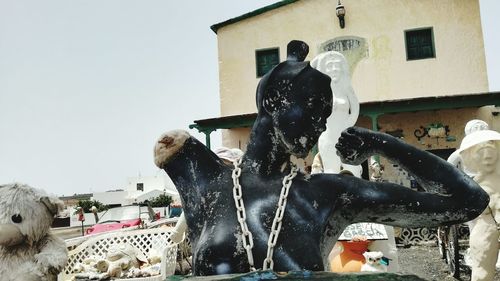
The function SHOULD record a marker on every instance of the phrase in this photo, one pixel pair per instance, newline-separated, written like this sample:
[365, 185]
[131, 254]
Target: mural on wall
[342, 44]
[353, 48]
[434, 131]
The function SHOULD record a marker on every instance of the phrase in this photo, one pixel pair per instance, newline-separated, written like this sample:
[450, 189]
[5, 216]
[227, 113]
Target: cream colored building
[417, 66]
[402, 54]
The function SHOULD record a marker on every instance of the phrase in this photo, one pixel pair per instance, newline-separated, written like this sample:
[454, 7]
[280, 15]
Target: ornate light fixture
[340, 11]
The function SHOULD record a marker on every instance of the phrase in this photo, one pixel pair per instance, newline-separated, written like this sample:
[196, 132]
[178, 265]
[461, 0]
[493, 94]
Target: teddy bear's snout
[10, 235]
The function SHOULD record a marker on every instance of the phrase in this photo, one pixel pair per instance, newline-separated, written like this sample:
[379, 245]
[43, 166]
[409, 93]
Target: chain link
[278, 218]
[246, 235]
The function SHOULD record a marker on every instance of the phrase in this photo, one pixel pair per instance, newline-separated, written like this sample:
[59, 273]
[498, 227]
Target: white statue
[344, 113]
[455, 159]
[480, 153]
[471, 126]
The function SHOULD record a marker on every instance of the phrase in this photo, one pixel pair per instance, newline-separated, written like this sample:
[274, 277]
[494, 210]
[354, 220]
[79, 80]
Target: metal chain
[278, 219]
[246, 235]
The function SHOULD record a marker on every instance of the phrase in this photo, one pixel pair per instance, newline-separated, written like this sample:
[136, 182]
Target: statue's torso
[218, 247]
[490, 184]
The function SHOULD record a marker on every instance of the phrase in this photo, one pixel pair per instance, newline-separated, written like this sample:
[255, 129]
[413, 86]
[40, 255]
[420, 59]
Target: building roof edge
[254, 13]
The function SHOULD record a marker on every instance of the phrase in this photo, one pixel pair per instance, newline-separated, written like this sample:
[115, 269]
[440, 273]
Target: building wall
[236, 138]
[399, 123]
[412, 132]
[409, 127]
[384, 73]
[491, 115]
[161, 184]
[150, 183]
[112, 197]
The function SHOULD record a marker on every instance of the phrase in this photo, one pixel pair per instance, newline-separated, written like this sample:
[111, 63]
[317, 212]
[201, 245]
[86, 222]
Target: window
[266, 60]
[140, 186]
[419, 44]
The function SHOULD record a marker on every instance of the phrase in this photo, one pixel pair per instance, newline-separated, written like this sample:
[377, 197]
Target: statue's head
[475, 125]
[480, 152]
[297, 99]
[332, 64]
[485, 155]
[297, 50]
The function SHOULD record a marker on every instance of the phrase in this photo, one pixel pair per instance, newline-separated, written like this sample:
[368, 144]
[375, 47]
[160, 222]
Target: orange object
[351, 259]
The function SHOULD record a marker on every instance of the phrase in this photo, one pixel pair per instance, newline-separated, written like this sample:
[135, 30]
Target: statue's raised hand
[356, 144]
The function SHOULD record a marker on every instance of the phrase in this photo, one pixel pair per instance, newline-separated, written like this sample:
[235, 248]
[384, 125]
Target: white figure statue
[344, 113]
[480, 153]
[455, 159]
[471, 126]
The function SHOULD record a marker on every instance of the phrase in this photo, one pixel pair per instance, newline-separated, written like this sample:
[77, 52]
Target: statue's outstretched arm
[190, 164]
[452, 197]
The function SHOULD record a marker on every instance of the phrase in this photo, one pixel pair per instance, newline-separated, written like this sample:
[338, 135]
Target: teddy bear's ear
[54, 205]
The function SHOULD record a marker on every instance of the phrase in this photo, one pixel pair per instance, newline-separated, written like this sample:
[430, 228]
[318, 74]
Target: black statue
[293, 102]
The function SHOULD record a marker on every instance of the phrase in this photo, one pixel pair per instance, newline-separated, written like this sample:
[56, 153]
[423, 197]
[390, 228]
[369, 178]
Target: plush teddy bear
[374, 262]
[28, 251]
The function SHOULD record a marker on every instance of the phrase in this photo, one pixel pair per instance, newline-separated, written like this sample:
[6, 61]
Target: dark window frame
[260, 51]
[432, 43]
[140, 186]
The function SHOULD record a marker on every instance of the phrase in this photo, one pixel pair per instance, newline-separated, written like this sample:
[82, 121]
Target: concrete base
[300, 275]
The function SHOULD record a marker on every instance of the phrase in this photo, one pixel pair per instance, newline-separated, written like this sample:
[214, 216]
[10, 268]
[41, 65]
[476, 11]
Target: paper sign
[372, 231]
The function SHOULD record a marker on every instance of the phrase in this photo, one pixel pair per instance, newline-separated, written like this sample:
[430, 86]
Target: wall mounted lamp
[340, 11]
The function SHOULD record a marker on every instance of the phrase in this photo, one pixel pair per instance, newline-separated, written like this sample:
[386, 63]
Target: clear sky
[86, 87]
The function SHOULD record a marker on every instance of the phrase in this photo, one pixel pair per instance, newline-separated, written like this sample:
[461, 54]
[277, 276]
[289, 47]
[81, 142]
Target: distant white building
[138, 189]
